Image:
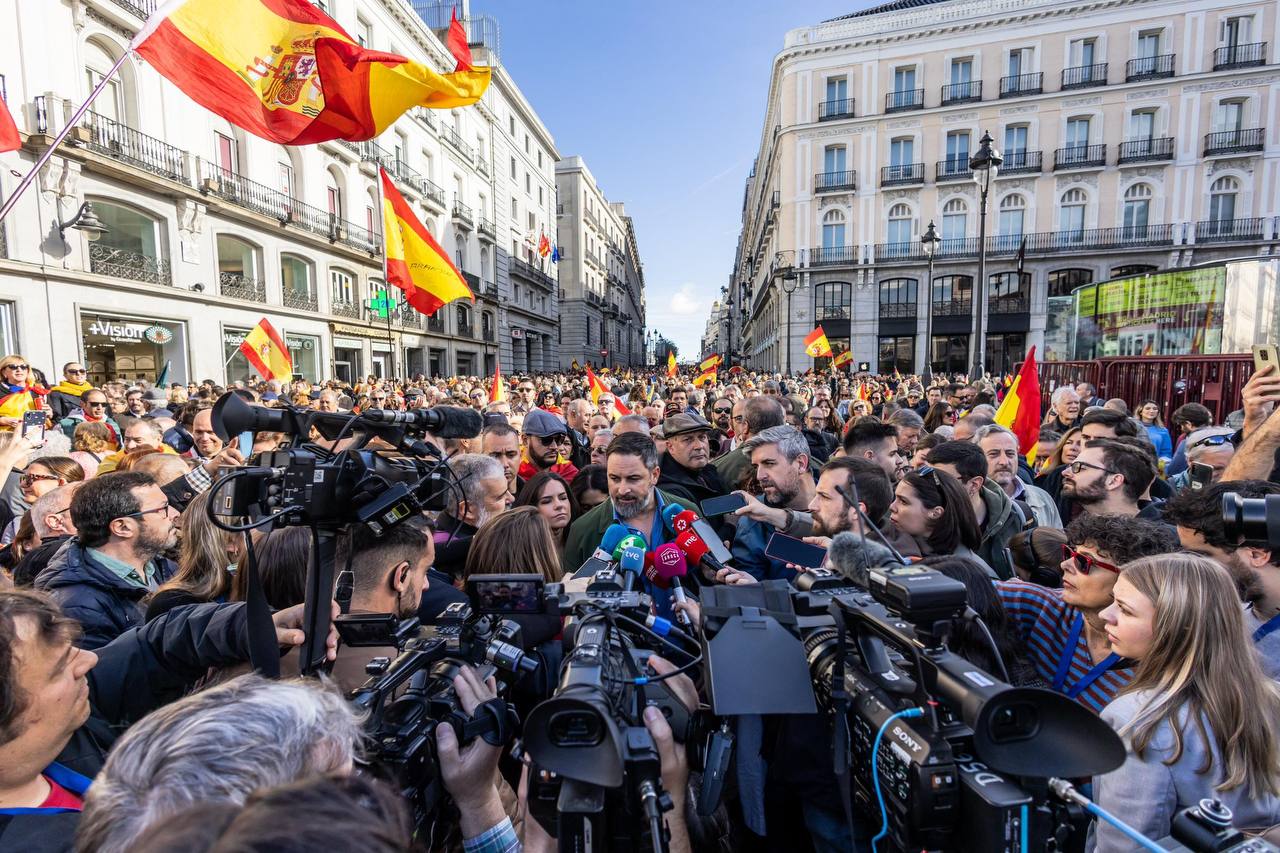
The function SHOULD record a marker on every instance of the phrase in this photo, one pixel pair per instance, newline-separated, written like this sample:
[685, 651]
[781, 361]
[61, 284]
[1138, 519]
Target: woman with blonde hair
[1200, 719]
[518, 541]
[1066, 451]
[19, 392]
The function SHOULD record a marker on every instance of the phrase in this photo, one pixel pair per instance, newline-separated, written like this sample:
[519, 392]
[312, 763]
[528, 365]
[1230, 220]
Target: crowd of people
[1098, 559]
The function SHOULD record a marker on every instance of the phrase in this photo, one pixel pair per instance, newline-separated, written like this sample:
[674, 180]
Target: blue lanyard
[1068, 654]
[1269, 627]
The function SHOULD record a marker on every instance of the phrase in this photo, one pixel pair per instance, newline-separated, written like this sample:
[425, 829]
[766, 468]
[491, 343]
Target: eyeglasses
[28, 479]
[162, 508]
[1078, 465]
[559, 438]
[96, 404]
[79, 372]
[1083, 563]
[1211, 441]
[723, 411]
[17, 366]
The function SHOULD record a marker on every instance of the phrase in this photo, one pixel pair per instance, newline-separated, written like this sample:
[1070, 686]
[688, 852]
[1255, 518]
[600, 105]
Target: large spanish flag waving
[1020, 409]
[816, 344]
[415, 262]
[285, 71]
[265, 350]
[671, 363]
[597, 388]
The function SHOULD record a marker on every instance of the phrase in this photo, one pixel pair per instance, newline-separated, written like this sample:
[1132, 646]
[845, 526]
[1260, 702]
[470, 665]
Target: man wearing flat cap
[546, 445]
[686, 469]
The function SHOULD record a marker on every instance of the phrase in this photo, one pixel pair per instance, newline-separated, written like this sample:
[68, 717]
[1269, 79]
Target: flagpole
[57, 140]
[386, 283]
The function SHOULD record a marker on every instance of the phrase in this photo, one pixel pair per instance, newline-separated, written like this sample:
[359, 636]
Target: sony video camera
[1256, 519]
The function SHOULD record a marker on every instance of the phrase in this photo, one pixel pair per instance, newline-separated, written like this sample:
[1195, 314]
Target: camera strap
[1269, 627]
[494, 721]
[264, 651]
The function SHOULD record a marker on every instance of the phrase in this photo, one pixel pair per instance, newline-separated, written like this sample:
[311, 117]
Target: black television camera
[1255, 519]
[407, 699]
[596, 771]
[938, 752]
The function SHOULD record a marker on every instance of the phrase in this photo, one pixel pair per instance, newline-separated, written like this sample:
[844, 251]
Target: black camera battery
[994, 813]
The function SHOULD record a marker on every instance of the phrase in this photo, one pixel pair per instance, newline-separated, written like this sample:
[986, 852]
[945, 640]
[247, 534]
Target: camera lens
[1247, 518]
[575, 729]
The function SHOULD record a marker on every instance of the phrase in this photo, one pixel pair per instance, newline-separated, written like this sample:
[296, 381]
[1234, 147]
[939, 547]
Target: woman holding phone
[1200, 719]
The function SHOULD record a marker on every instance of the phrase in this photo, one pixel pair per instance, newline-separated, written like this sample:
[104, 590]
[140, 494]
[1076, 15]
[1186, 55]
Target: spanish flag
[707, 375]
[10, 139]
[597, 388]
[671, 363]
[415, 262]
[265, 350]
[711, 363]
[816, 344]
[498, 393]
[1020, 409]
[285, 71]
[843, 358]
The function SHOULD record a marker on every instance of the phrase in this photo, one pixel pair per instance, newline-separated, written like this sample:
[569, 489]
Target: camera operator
[63, 706]
[1064, 633]
[1199, 719]
[1253, 564]
[222, 744]
[482, 493]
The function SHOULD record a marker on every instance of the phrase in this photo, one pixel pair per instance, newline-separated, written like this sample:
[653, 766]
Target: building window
[832, 230]
[1149, 45]
[1142, 125]
[962, 72]
[1137, 209]
[1078, 134]
[952, 294]
[334, 195]
[902, 151]
[1229, 116]
[900, 222]
[110, 102]
[1071, 213]
[832, 300]
[342, 287]
[833, 159]
[296, 281]
[897, 354]
[512, 121]
[1236, 30]
[238, 268]
[364, 32]
[1021, 61]
[1222, 199]
[955, 218]
[1009, 293]
[1083, 52]
[1062, 282]
[226, 152]
[1013, 212]
[132, 247]
[1015, 145]
[898, 298]
[837, 89]
[957, 151]
[1126, 270]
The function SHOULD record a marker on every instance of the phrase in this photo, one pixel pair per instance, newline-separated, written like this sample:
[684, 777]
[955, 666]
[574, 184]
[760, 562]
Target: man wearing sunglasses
[64, 398]
[546, 445]
[1063, 630]
[1210, 446]
[123, 523]
[94, 408]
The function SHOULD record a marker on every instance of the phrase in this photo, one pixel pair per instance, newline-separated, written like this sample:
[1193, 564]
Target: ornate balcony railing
[1233, 141]
[904, 99]
[1021, 162]
[898, 310]
[953, 169]
[304, 300]
[435, 323]
[110, 138]
[951, 307]
[1228, 230]
[140, 8]
[962, 93]
[486, 227]
[448, 134]
[346, 308]
[903, 173]
[1146, 150]
[529, 272]
[1149, 67]
[466, 330]
[1017, 85]
[911, 250]
[829, 182]
[463, 214]
[135, 266]
[831, 110]
[1240, 56]
[1080, 157]
[1084, 76]
[241, 286]
[1015, 304]
[830, 255]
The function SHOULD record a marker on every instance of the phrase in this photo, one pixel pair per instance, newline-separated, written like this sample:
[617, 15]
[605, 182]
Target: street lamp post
[929, 240]
[789, 284]
[985, 165]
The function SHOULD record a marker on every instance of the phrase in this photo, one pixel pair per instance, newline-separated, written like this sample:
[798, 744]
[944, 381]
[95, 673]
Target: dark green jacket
[586, 532]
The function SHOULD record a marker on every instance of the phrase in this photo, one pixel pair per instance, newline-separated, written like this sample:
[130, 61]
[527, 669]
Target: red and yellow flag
[816, 344]
[597, 388]
[711, 363]
[285, 71]
[498, 393]
[457, 43]
[707, 375]
[10, 140]
[843, 358]
[544, 246]
[265, 350]
[671, 363]
[415, 262]
[1020, 409]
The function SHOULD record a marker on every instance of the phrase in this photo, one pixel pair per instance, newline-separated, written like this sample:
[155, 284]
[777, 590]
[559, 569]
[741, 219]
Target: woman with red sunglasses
[1063, 628]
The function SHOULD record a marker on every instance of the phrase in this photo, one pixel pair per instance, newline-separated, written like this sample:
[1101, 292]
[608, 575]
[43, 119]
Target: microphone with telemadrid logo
[665, 569]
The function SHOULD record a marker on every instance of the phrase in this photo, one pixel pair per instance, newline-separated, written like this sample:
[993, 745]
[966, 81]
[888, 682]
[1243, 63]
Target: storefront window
[303, 352]
[130, 349]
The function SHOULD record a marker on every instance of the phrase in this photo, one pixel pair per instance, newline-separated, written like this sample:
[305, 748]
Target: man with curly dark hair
[1063, 629]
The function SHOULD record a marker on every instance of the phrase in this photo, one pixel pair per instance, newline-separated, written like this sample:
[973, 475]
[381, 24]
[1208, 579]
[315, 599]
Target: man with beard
[1109, 477]
[831, 511]
[481, 494]
[722, 440]
[1000, 446]
[754, 416]
[634, 501]
[1253, 563]
[780, 456]
[123, 524]
[546, 437]
[686, 466]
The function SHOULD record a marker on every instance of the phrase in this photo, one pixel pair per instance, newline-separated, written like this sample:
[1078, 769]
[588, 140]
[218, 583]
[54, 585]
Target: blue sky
[665, 102]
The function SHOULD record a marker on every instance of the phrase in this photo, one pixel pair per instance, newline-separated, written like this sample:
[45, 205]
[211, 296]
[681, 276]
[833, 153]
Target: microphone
[631, 540]
[692, 546]
[631, 565]
[681, 520]
[688, 520]
[604, 555]
[852, 556]
[668, 566]
[669, 513]
[441, 422]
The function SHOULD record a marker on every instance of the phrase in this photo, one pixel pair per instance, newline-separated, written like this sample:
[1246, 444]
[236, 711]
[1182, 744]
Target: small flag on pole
[1020, 409]
[671, 363]
[498, 393]
[264, 349]
[458, 43]
[844, 358]
[544, 246]
[816, 344]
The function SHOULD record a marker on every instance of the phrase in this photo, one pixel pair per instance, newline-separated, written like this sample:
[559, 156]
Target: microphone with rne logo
[668, 566]
[696, 552]
[688, 520]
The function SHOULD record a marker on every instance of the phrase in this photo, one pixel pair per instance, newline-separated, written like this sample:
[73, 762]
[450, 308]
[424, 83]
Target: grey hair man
[1001, 447]
[909, 426]
[631, 423]
[51, 518]
[216, 746]
[780, 456]
[482, 493]
[757, 414]
[1208, 446]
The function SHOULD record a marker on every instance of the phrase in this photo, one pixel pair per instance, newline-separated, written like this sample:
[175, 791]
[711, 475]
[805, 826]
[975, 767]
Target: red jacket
[565, 469]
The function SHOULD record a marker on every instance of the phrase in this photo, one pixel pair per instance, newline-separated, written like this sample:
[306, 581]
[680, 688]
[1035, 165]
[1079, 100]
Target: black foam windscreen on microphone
[852, 555]
[440, 421]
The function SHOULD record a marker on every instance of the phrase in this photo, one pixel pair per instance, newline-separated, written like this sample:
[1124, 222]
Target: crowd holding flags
[597, 388]
[672, 370]
[816, 344]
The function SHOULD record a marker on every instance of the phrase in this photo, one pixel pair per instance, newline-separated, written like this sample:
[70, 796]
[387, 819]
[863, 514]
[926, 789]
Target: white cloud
[681, 317]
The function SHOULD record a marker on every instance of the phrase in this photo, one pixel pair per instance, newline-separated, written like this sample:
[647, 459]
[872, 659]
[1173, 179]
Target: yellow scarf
[75, 389]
